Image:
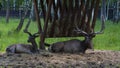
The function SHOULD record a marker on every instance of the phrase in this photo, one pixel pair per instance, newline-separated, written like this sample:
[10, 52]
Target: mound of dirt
[92, 59]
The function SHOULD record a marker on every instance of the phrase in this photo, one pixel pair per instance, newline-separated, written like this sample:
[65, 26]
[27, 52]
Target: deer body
[20, 48]
[71, 46]
[24, 48]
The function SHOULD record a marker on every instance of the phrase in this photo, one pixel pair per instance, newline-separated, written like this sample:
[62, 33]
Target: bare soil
[92, 59]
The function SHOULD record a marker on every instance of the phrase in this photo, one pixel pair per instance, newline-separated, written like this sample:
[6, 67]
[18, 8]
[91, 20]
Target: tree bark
[43, 34]
[19, 27]
[108, 9]
[7, 11]
[103, 9]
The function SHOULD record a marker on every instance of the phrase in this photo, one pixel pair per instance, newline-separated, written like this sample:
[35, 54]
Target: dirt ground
[92, 59]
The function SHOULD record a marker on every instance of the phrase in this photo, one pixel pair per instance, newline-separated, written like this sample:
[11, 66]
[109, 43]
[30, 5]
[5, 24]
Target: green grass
[109, 40]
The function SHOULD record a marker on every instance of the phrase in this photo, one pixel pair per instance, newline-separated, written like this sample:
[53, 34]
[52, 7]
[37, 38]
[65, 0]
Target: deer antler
[102, 26]
[36, 34]
[80, 31]
[31, 35]
[94, 33]
[26, 31]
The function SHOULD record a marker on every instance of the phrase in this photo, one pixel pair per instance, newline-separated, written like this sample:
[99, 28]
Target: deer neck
[34, 44]
[87, 43]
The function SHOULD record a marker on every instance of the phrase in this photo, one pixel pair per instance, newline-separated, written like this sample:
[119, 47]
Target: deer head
[89, 36]
[31, 39]
[31, 36]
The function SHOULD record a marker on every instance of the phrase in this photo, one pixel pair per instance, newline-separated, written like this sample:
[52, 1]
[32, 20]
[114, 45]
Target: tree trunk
[14, 4]
[117, 9]
[117, 12]
[19, 27]
[7, 11]
[30, 17]
[103, 9]
[108, 9]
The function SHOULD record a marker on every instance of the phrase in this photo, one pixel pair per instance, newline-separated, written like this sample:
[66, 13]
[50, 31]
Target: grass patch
[110, 40]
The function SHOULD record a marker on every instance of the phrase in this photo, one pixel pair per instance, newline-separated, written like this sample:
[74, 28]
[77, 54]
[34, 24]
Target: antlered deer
[76, 46]
[24, 48]
[72, 46]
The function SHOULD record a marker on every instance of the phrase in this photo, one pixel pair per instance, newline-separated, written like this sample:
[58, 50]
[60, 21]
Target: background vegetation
[109, 40]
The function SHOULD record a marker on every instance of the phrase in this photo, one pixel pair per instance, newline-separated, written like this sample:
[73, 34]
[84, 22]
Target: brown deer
[76, 46]
[24, 48]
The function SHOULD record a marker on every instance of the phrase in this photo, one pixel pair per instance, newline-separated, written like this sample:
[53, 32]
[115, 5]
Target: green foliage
[109, 40]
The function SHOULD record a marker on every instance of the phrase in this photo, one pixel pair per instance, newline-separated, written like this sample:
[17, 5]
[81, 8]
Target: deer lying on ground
[75, 46]
[20, 48]
[72, 46]
[24, 48]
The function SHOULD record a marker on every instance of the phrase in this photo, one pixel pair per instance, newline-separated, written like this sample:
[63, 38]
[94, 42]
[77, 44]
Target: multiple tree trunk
[61, 17]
